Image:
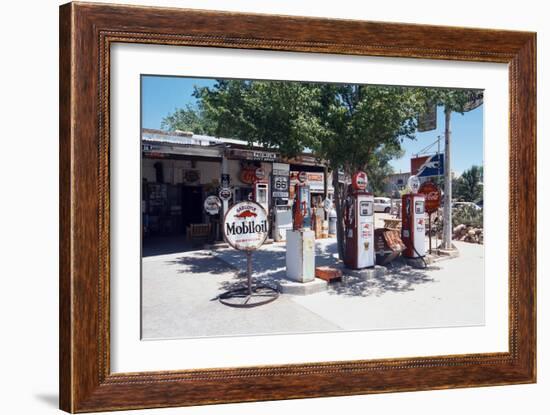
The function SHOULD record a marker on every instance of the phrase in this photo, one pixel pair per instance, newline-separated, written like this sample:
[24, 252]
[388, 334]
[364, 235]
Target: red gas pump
[359, 224]
[301, 216]
[413, 226]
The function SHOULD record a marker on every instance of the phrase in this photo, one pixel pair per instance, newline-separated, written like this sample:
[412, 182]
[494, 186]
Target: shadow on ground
[398, 280]
[200, 262]
[269, 266]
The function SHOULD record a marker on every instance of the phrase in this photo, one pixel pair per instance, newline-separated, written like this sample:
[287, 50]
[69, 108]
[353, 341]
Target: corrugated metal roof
[160, 136]
[190, 139]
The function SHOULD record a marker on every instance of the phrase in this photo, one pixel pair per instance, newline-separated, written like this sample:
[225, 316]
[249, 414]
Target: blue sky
[161, 95]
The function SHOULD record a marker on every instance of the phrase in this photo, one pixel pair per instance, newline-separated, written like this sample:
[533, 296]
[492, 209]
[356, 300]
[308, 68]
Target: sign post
[212, 206]
[245, 228]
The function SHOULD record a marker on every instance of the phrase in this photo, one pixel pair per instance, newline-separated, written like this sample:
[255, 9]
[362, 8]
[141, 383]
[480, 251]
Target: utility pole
[447, 210]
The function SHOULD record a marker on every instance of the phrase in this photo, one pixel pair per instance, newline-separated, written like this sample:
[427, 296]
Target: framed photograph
[258, 207]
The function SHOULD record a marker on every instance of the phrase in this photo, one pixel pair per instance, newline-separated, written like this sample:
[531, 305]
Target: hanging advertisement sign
[316, 181]
[245, 226]
[259, 173]
[432, 196]
[191, 176]
[427, 121]
[280, 186]
[248, 174]
[253, 155]
[428, 166]
[475, 101]
[413, 184]
[359, 181]
[212, 205]
[280, 181]
[225, 180]
[225, 193]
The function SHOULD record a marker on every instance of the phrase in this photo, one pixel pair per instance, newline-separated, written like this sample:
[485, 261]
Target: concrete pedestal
[367, 273]
[300, 255]
[302, 288]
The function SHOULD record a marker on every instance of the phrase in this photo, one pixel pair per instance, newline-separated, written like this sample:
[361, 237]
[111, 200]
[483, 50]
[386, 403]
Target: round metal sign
[359, 181]
[245, 226]
[302, 177]
[212, 205]
[413, 183]
[260, 173]
[225, 193]
[432, 196]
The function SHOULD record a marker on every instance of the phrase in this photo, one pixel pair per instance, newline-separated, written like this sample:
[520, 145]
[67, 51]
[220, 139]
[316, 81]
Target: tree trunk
[339, 205]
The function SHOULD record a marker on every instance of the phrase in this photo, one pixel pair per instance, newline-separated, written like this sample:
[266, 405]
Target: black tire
[387, 210]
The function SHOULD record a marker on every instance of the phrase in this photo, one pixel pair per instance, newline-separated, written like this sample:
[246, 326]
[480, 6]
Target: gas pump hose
[421, 257]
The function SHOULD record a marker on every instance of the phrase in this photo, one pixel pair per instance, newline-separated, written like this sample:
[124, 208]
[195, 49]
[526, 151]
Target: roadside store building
[181, 169]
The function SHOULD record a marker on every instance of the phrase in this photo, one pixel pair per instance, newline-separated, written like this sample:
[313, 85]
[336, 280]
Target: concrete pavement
[180, 291]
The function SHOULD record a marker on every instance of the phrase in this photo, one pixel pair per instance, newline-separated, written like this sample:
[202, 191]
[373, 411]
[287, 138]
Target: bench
[198, 232]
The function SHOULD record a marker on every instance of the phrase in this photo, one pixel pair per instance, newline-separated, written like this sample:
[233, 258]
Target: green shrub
[468, 216]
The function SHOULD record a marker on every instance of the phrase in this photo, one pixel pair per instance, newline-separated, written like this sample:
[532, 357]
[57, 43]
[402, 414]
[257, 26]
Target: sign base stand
[249, 296]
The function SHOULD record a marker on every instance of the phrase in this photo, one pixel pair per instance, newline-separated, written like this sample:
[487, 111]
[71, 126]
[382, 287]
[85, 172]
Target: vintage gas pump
[301, 212]
[260, 194]
[359, 224]
[300, 241]
[280, 193]
[413, 226]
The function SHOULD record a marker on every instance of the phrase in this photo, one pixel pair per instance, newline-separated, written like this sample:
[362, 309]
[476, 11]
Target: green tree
[363, 128]
[191, 118]
[453, 100]
[278, 115]
[349, 127]
[470, 185]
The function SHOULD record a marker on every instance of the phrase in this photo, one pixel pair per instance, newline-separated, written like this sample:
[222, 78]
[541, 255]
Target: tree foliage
[469, 186]
[190, 118]
[349, 127]
[274, 114]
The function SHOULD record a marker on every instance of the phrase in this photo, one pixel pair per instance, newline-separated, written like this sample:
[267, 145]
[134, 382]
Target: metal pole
[438, 163]
[447, 211]
[225, 170]
[249, 270]
[430, 230]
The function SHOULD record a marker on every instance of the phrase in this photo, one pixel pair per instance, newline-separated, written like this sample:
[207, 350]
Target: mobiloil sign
[246, 226]
[235, 228]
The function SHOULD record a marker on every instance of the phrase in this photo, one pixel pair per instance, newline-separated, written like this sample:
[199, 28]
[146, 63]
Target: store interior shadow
[165, 245]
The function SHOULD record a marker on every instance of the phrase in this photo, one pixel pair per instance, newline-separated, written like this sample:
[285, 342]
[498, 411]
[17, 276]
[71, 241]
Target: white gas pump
[283, 222]
[261, 195]
[280, 192]
[300, 241]
[413, 227]
[359, 224]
